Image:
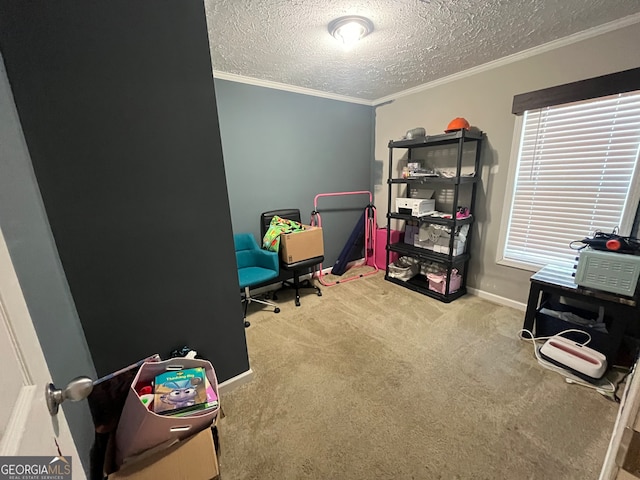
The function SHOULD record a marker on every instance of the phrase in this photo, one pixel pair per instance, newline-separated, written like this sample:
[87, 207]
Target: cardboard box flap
[193, 458]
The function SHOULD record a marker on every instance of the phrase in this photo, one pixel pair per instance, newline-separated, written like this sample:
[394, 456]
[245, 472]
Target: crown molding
[232, 77]
[546, 47]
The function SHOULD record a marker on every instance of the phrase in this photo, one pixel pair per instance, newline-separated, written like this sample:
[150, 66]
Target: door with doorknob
[26, 426]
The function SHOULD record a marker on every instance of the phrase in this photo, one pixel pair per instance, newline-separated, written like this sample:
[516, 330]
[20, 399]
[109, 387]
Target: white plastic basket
[404, 268]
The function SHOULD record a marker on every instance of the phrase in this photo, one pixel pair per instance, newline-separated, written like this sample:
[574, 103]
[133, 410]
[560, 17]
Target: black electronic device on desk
[611, 242]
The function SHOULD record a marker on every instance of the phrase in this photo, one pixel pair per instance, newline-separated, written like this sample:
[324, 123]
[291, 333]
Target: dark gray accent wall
[282, 148]
[117, 105]
[26, 230]
[116, 101]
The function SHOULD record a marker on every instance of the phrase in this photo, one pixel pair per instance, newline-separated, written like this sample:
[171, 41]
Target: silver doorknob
[78, 389]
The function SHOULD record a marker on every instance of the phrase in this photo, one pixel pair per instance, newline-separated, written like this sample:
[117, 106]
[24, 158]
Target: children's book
[211, 404]
[177, 390]
[184, 392]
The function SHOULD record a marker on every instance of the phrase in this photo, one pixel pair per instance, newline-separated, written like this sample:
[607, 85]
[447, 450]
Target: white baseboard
[275, 286]
[492, 297]
[267, 288]
[235, 382]
[247, 376]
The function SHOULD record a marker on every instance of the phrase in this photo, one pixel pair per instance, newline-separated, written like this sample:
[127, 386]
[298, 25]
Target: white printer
[417, 207]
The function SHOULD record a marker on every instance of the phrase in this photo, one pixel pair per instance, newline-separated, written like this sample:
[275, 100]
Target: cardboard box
[140, 429]
[193, 458]
[299, 246]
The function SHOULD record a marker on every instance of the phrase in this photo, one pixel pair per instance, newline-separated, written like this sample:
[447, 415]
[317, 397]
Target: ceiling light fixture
[350, 29]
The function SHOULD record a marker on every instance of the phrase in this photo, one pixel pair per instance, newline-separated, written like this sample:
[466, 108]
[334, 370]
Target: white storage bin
[140, 429]
[404, 268]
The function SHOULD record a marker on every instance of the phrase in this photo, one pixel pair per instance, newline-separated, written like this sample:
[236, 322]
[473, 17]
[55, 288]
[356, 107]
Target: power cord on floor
[607, 389]
[619, 382]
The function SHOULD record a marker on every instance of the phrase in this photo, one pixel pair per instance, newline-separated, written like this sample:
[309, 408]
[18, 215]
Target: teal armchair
[255, 266]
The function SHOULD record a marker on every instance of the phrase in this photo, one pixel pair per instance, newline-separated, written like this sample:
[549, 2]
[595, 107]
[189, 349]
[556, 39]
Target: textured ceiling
[414, 41]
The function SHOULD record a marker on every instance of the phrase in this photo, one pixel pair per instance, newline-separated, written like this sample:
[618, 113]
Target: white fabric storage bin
[442, 245]
[404, 268]
[428, 244]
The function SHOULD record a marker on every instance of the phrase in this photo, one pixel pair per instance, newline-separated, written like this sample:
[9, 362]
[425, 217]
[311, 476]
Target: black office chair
[297, 268]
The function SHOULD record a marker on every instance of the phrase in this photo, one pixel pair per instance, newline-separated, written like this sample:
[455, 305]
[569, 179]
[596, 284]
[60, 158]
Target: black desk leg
[617, 329]
[532, 306]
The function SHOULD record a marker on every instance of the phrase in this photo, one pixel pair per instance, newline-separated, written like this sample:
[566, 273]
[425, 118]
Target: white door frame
[30, 430]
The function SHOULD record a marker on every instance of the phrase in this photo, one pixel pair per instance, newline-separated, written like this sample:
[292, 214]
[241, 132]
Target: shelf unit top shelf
[434, 140]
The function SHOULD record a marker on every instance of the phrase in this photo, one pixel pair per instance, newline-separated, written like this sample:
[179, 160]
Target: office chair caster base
[277, 310]
[319, 292]
[297, 301]
[247, 324]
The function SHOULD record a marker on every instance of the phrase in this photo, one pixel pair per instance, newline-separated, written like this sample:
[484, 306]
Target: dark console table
[557, 281]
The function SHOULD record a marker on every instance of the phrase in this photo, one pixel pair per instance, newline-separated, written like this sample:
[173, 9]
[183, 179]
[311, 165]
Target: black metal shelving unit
[419, 283]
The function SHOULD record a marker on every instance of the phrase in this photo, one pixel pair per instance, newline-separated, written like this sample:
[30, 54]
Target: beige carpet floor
[373, 381]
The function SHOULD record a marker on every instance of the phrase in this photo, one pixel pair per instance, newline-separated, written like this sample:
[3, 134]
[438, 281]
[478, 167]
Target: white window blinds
[574, 174]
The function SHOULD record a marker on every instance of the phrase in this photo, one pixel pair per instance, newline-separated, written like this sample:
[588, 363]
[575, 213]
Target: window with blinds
[574, 176]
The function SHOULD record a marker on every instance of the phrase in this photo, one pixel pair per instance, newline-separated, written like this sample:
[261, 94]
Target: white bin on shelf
[404, 268]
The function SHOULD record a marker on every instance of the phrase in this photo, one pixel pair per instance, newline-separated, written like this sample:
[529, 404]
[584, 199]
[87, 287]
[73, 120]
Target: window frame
[505, 221]
[629, 213]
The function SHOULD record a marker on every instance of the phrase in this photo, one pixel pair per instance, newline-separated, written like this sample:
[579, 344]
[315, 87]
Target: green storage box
[608, 271]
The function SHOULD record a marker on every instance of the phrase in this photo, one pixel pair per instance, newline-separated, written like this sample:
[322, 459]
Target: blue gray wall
[281, 149]
[33, 252]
